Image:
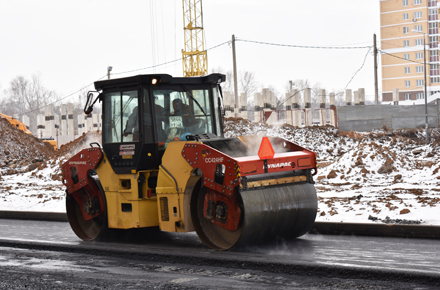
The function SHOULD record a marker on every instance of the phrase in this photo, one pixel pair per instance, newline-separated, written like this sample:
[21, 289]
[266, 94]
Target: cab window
[182, 112]
[121, 117]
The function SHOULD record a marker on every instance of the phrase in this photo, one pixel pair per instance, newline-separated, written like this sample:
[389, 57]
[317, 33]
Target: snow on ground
[32, 191]
[31, 180]
[381, 176]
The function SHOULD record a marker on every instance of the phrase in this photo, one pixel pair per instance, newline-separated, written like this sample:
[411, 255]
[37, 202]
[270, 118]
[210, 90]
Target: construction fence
[355, 115]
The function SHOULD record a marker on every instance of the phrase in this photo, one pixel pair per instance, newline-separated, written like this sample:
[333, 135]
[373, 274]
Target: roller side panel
[130, 202]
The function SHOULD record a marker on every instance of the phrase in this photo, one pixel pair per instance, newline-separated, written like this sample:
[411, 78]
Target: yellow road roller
[164, 162]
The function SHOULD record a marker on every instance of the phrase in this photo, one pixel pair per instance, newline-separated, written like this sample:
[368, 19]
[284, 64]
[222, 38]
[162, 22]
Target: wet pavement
[380, 261]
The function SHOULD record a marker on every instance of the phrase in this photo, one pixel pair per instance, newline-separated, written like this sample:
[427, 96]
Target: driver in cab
[181, 109]
[132, 126]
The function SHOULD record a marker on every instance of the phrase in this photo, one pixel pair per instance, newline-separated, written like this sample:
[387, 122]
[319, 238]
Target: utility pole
[234, 64]
[109, 69]
[425, 92]
[376, 88]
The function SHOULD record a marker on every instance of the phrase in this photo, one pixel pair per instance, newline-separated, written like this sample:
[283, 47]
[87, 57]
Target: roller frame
[250, 186]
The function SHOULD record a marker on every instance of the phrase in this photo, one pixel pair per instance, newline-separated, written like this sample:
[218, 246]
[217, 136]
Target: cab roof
[161, 79]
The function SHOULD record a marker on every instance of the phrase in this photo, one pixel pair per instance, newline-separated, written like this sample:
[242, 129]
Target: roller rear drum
[269, 213]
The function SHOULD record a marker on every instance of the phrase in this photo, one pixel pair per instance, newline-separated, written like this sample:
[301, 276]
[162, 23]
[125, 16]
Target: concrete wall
[368, 118]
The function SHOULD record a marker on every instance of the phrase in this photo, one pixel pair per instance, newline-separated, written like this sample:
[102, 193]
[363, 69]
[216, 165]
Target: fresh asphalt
[382, 260]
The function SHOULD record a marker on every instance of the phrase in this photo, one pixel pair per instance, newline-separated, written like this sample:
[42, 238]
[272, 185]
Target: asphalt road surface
[48, 255]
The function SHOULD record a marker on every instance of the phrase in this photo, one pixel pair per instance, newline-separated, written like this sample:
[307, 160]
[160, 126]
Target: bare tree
[302, 84]
[31, 93]
[228, 85]
[31, 96]
[248, 83]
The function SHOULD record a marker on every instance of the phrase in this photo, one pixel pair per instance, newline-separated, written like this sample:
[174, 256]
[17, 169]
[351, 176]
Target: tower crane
[194, 56]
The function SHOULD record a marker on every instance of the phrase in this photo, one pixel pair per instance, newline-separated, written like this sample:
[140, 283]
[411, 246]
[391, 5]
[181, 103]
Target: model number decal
[214, 160]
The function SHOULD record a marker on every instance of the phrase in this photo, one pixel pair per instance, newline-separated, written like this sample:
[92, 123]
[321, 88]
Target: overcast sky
[71, 43]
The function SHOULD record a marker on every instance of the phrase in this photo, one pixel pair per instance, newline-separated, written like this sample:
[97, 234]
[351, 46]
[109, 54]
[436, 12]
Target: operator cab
[142, 114]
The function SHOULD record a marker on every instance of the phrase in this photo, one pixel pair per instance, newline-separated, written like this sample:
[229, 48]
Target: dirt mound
[18, 150]
[21, 152]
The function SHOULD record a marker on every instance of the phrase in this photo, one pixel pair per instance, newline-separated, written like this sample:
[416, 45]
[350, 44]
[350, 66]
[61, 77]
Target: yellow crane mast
[194, 56]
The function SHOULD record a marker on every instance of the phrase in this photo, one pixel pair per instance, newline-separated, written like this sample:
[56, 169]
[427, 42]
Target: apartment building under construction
[406, 25]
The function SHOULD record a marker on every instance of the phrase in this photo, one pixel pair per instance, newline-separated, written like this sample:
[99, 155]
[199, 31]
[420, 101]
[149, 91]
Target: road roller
[164, 163]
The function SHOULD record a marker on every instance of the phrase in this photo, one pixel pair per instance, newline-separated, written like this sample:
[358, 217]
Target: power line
[399, 57]
[150, 67]
[168, 62]
[391, 44]
[145, 68]
[221, 44]
[65, 97]
[304, 46]
[365, 58]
